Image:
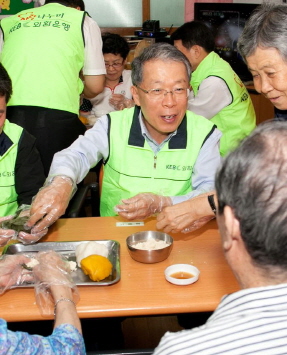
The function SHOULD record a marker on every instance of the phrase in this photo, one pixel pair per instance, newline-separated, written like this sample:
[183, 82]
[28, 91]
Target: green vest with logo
[43, 53]
[8, 201]
[132, 167]
[236, 120]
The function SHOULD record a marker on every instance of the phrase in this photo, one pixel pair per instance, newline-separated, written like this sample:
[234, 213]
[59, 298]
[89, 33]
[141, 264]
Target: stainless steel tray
[68, 250]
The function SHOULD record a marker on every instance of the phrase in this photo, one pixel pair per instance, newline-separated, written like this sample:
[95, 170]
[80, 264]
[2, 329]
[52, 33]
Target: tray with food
[93, 263]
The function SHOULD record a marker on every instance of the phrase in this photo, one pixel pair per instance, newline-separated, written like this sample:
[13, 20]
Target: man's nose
[169, 99]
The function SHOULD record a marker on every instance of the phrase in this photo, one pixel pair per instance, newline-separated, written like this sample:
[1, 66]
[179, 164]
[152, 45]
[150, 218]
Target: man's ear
[232, 228]
[135, 95]
[196, 51]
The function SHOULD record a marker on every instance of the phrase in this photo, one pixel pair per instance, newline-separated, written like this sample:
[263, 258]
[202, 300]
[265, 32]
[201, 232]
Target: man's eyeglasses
[179, 93]
[114, 65]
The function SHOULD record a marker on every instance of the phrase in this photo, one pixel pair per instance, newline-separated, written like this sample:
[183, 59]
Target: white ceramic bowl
[174, 272]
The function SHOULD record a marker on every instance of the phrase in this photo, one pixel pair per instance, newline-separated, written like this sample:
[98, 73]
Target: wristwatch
[212, 203]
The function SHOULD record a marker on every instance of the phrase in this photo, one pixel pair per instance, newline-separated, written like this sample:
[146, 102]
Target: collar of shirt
[151, 142]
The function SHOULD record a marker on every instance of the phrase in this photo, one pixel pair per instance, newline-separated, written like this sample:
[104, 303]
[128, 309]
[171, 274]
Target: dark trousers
[54, 130]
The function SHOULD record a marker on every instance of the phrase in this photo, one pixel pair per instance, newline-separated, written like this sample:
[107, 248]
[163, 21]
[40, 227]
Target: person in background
[21, 169]
[44, 51]
[252, 218]
[50, 276]
[117, 92]
[262, 45]
[155, 154]
[217, 92]
[219, 95]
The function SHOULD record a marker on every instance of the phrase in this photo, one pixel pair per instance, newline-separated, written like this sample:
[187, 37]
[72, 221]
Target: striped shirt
[250, 321]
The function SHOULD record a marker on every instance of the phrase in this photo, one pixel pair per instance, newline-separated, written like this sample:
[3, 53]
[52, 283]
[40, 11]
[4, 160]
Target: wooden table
[142, 289]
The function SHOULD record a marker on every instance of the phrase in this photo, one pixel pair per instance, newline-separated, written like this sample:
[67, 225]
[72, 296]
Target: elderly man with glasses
[155, 154]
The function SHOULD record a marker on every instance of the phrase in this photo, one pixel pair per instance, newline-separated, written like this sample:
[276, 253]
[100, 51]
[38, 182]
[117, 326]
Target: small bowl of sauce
[181, 274]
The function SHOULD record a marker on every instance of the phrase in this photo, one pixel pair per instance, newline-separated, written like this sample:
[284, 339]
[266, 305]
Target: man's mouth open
[169, 118]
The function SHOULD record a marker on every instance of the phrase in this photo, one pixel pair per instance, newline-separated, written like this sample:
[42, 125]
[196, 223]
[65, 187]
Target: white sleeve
[83, 154]
[213, 95]
[94, 60]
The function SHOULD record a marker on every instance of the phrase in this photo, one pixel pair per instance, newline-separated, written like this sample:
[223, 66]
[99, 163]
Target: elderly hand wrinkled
[53, 269]
[12, 271]
[119, 102]
[6, 234]
[51, 275]
[142, 206]
[50, 203]
[33, 237]
[184, 217]
[10, 228]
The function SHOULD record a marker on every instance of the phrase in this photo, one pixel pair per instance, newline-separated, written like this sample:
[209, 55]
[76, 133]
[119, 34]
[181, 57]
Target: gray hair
[267, 28]
[252, 181]
[162, 51]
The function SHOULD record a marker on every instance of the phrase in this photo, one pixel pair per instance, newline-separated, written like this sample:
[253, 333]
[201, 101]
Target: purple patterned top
[65, 339]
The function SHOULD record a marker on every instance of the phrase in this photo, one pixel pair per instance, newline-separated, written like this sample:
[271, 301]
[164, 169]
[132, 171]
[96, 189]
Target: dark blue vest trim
[5, 143]
[136, 138]
[210, 133]
[179, 141]
[109, 137]
[82, 26]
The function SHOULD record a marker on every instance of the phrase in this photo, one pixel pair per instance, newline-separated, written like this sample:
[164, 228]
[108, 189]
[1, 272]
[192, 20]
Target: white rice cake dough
[90, 248]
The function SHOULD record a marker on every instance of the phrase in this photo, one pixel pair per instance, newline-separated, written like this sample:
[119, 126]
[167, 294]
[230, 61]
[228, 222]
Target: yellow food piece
[97, 267]
[83, 119]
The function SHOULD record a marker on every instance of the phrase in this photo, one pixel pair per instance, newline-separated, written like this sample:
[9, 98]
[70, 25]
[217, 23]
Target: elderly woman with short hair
[263, 46]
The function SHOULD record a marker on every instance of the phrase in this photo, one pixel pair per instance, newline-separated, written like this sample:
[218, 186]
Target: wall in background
[169, 12]
[119, 13]
[130, 13]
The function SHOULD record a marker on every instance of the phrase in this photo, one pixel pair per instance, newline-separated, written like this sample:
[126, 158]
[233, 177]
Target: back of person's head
[115, 44]
[267, 28]
[5, 84]
[70, 3]
[195, 33]
[158, 51]
[253, 182]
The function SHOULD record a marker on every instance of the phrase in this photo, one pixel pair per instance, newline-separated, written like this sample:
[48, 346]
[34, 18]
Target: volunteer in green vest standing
[21, 170]
[155, 154]
[44, 51]
[217, 93]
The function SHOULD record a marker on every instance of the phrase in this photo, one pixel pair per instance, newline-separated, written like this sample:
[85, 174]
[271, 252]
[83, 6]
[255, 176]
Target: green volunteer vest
[132, 167]
[236, 120]
[8, 201]
[43, 53]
